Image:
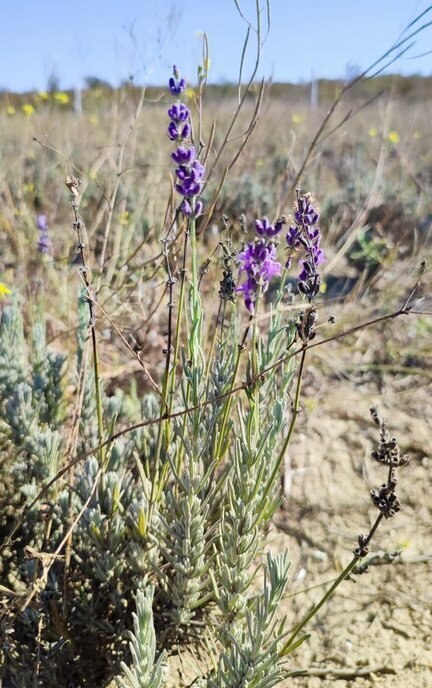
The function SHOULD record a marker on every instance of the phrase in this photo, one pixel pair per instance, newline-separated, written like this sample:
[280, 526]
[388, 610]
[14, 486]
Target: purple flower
[44, 240]
[258, 261]
[305, 213]
[178, 112]
[293, 237]
[189, 188]
[183, 156]
[189, 178]
[44, 243]
[264, 228]
[176, 84]
[189, 171]
[176, 134]
[187, 209]
[42, 222]
[173, 131]
[306, 236]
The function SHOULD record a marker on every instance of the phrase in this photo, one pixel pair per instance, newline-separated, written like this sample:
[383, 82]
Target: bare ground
[376, 631]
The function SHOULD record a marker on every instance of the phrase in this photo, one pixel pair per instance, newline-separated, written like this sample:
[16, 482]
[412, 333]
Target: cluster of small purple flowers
[189, 170]
[258, 261]
[44, 240]
[305, 235]
[258, 258]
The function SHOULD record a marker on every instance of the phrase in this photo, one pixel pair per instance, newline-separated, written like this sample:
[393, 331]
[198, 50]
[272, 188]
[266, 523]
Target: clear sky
[113, 39]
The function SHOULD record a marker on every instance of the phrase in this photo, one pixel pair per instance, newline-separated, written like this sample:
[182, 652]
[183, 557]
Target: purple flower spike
[189, 171]
[306, 236]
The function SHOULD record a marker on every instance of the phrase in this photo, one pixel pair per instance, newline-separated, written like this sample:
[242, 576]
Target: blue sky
[113, 39]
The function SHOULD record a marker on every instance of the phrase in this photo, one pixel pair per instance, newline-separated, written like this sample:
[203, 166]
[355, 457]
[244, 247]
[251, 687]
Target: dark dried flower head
[388, 451]
[227, 286]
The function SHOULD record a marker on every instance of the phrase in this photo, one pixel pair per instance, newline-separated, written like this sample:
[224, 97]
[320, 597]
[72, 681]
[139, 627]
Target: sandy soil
[376, 631]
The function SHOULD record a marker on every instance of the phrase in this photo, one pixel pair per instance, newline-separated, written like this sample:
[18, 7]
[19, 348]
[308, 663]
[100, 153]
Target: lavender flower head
[44, 240]
[189, 171]
[305, 236]
[258, 261]
[176, 84]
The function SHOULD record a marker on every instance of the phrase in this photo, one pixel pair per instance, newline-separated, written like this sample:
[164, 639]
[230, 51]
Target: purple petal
[172, 131]
[185, 133]
[185, 208]
[198, 208]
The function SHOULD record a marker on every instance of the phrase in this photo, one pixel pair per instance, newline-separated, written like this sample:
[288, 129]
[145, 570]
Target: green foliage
[371, 251]
[194, 529]
[144, 672]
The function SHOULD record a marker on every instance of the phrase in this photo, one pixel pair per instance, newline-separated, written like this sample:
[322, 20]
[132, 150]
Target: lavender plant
[143, 516]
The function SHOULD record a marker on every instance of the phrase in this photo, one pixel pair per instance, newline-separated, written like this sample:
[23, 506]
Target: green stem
[228, 402]
[296, 407]
[280, 291]
[347, 570]
[196, 312]
[254, 363]
[220, 316]
[345, 573]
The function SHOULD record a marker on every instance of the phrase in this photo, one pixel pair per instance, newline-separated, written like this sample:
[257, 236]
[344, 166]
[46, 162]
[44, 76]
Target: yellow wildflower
[61, 97]
[124, 218]
[296, 118]
[373, 132]
[10, 110]
[4, 290]
[393, 137]
[28, 109]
